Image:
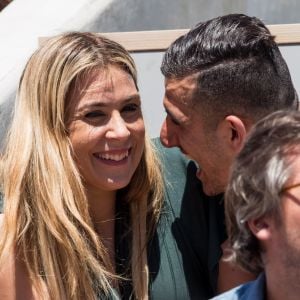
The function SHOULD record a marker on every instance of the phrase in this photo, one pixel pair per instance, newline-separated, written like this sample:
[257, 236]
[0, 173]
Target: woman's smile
[113, 157]
[106, 128]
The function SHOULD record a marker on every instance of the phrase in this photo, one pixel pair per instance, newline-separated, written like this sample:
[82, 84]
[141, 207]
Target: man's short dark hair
[239, 67]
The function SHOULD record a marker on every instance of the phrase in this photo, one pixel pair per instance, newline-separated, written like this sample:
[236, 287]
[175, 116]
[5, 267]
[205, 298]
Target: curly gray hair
[258, 177]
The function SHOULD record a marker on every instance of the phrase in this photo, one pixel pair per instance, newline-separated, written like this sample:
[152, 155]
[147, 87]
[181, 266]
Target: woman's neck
[102, 210]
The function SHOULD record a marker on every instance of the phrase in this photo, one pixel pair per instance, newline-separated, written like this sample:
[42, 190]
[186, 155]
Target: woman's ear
[234, 131]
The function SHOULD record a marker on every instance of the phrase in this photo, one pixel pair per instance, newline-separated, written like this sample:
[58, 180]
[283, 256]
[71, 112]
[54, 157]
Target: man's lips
[198, 173]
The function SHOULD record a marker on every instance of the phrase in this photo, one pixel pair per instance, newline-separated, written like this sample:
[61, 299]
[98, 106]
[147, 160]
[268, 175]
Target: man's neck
[230, 275]
[282, 284]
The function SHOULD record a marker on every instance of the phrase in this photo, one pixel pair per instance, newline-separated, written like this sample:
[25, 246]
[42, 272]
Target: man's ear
[261, 228]
[235, 132]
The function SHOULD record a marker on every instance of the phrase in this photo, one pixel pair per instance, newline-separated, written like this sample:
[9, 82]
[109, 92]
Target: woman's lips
[113, 157]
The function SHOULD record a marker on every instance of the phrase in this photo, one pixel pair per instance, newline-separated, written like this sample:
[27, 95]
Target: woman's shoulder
[14, 281]
[7, 272]
[1, 219]
[1, 202]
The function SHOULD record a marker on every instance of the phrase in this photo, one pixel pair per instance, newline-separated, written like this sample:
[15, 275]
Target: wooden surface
[159, 40]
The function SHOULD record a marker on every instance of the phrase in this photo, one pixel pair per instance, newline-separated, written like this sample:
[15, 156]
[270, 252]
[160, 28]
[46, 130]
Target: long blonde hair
[46, 217]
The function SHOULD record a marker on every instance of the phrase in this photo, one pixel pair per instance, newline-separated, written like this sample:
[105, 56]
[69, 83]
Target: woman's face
[106, 128]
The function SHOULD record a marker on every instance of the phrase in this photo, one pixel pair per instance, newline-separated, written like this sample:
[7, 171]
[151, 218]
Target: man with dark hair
[220, 78]
[262, 206]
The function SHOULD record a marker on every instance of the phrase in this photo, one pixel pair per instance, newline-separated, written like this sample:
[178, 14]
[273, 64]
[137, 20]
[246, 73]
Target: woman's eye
[94, 114]
[131, 107]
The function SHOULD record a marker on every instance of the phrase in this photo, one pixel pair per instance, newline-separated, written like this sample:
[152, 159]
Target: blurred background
[23, 22]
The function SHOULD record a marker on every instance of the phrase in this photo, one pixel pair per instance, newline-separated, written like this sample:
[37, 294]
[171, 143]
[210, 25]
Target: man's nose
[167, 135]
[117, 127]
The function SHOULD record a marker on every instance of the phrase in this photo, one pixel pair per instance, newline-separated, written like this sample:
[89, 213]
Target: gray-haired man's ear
[261, 228]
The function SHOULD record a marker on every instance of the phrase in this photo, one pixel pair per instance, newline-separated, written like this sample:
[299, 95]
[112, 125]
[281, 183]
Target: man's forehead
[187, 81]
[181, 89]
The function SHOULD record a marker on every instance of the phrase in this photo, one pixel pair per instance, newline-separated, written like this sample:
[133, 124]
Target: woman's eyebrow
[100, 104]
[134, 97]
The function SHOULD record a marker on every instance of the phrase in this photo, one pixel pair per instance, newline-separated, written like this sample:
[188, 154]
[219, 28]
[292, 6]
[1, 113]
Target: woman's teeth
[115, 157]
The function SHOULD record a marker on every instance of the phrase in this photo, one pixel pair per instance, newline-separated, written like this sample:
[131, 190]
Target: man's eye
[130, 107]
[94, 114]
[175, 122]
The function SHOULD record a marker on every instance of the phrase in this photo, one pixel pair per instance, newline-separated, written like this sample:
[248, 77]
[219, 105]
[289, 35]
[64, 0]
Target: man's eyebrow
[172, 117]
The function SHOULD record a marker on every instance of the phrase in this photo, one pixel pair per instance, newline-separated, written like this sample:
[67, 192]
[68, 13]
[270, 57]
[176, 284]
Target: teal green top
[184, 254]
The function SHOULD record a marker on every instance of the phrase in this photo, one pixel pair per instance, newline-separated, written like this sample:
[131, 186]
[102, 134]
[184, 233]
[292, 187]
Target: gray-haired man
[262, 206]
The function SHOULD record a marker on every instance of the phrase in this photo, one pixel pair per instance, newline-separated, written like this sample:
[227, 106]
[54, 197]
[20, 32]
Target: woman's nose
[117, 127]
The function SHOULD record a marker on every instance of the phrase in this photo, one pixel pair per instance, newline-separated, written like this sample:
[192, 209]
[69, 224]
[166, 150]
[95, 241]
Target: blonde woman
[80, 179]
